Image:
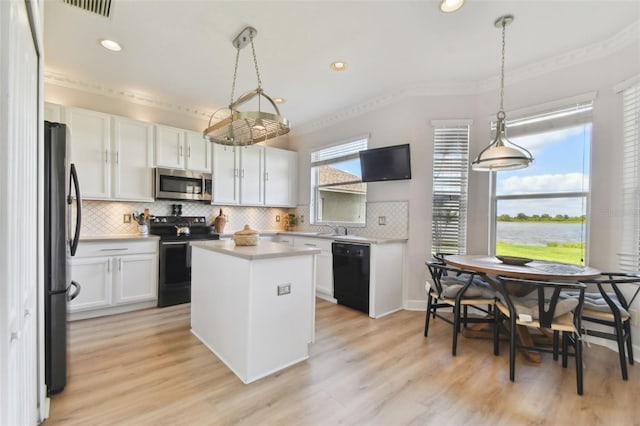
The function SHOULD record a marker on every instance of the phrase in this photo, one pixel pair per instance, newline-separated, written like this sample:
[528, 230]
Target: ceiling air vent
[99, 7]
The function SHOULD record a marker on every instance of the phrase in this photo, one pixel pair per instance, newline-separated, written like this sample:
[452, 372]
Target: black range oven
[176, 234]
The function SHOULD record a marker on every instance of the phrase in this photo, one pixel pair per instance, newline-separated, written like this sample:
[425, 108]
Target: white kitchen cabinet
[197, 152]
[115, 276]
[324, 264]
[113, 155]
[280, 177]
[169, 147]
[237, 175]
[181, 149]
[132, 160]
[89, 147]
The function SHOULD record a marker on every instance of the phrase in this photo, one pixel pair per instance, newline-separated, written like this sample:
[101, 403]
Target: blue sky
[561, 164]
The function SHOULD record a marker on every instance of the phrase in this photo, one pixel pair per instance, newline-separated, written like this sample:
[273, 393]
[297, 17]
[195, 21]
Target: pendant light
[242, 128]
[502, 154]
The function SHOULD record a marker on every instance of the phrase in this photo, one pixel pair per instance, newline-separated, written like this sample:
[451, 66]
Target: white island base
[240, 308]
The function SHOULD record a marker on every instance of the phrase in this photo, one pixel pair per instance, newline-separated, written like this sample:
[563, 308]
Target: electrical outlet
[277, 218]
[284, 289]
[301, 218]
[382, 220]
[126, 218]
[634, 317]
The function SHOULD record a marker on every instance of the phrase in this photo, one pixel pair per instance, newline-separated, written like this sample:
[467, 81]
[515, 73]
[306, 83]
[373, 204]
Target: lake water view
[539, 233]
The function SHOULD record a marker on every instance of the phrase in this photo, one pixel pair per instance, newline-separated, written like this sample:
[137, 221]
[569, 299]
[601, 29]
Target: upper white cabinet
[52, 112]
[237, 175]
[133, 151]
[89, 148]
[170, 147]
[254, 175]
[181, 149]
[113, 155]
[280, 177]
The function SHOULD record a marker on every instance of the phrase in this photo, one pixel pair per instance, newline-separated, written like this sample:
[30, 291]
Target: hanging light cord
[501, 112]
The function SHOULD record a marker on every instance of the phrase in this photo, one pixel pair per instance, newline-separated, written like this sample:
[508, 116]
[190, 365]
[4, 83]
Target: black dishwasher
[351, 275]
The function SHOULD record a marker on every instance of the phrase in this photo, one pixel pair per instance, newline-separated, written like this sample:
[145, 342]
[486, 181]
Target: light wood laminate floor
[146, 368]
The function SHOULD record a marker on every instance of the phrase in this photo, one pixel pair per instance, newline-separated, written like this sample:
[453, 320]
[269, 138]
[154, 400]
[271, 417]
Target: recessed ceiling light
[279, 100]
[450, 5]
[114, 46]
[339, 66]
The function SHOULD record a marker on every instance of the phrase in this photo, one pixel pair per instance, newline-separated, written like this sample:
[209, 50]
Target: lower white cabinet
[115, 276]
[324, 264]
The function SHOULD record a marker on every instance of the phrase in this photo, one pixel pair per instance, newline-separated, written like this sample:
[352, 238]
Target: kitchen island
[253, 306]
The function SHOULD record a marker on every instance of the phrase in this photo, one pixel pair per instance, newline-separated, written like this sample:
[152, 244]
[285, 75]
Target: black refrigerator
[60, 241]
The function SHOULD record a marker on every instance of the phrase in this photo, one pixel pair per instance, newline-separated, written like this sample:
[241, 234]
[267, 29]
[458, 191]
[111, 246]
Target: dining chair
[609, 307]
[542, 308]
[457, 289]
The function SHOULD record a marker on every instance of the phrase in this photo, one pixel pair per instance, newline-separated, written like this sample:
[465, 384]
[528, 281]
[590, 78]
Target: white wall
[408, 120]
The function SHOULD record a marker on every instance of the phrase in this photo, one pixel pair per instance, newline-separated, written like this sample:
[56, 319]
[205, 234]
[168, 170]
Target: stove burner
[178, 228]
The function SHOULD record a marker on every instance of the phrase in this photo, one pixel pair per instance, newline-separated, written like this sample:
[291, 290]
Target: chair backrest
[439, 269]
[615, 280]
[547, 295]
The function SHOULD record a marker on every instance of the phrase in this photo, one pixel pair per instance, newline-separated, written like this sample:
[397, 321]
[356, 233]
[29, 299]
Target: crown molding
[622, 39]
[60, 79]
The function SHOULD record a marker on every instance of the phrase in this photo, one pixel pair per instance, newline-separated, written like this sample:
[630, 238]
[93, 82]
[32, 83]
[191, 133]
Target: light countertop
[118, 237]
[263, 250]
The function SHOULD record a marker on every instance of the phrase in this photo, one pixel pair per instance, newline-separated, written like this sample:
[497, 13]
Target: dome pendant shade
[501, 154]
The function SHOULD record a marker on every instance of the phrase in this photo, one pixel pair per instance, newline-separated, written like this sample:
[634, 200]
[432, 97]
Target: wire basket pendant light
[241, 128]
[502, 154]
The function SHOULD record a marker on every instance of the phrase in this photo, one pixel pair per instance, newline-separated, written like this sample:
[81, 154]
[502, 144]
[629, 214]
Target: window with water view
[541, 211]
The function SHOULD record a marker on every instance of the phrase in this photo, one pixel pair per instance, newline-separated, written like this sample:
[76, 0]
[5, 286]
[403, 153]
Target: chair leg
[578, 349]
[456, 327]
[426, 321]
[556, 343]
[621, 351]
[565, 349]
[512, 348]
[496, 333]
[466, 315]
[627, 326]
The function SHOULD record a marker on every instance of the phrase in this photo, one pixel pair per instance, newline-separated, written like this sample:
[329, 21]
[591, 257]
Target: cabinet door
[225, 175]
[169, 147]
[135, 278]
[94, 274]
[132, 169]
[198, 157]
[89, 148]
[324, 273]
[280, 177]
[251, 172]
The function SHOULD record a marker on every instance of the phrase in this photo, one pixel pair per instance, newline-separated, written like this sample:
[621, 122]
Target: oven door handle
[173, 243]
[188, 255]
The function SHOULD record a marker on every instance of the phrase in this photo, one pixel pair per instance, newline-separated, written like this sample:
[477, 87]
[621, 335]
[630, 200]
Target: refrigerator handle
[73, 178]
[75, 294]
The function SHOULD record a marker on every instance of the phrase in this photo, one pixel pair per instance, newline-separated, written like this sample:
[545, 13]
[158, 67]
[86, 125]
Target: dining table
[490, 267]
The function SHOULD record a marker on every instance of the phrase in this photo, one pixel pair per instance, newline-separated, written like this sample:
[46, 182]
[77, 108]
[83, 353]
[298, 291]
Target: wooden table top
[536, 269]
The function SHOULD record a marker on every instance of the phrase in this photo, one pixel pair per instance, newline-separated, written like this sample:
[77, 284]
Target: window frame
[531, 114]
[314, 202]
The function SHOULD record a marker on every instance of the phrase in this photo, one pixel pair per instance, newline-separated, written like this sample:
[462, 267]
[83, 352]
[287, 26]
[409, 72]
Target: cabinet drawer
[321, 243]
[115, 248]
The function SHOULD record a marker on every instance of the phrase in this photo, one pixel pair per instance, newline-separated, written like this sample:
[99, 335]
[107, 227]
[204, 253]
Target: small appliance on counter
[174, 264]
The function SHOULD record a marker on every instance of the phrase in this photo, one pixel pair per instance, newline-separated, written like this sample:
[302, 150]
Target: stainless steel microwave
[182, 185]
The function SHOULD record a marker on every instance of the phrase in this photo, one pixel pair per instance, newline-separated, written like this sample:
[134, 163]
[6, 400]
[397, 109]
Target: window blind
[630, 255]
[450, 183]
[342, 152]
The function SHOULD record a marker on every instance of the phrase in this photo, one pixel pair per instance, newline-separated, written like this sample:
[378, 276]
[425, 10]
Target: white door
[169, 147]
[225, 175]
[95, 274]
[135, 278]
[21, 278]
[198, 157]
[251, 171]
[132, 170]
[90, 149]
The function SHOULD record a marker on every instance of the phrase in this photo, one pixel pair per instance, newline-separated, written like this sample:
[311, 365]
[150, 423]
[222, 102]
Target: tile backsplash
[106, 217]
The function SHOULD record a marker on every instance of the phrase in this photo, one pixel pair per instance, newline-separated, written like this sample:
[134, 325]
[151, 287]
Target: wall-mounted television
[387, 163]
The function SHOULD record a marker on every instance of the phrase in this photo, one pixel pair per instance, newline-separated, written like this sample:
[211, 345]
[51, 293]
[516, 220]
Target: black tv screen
[388, 163]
